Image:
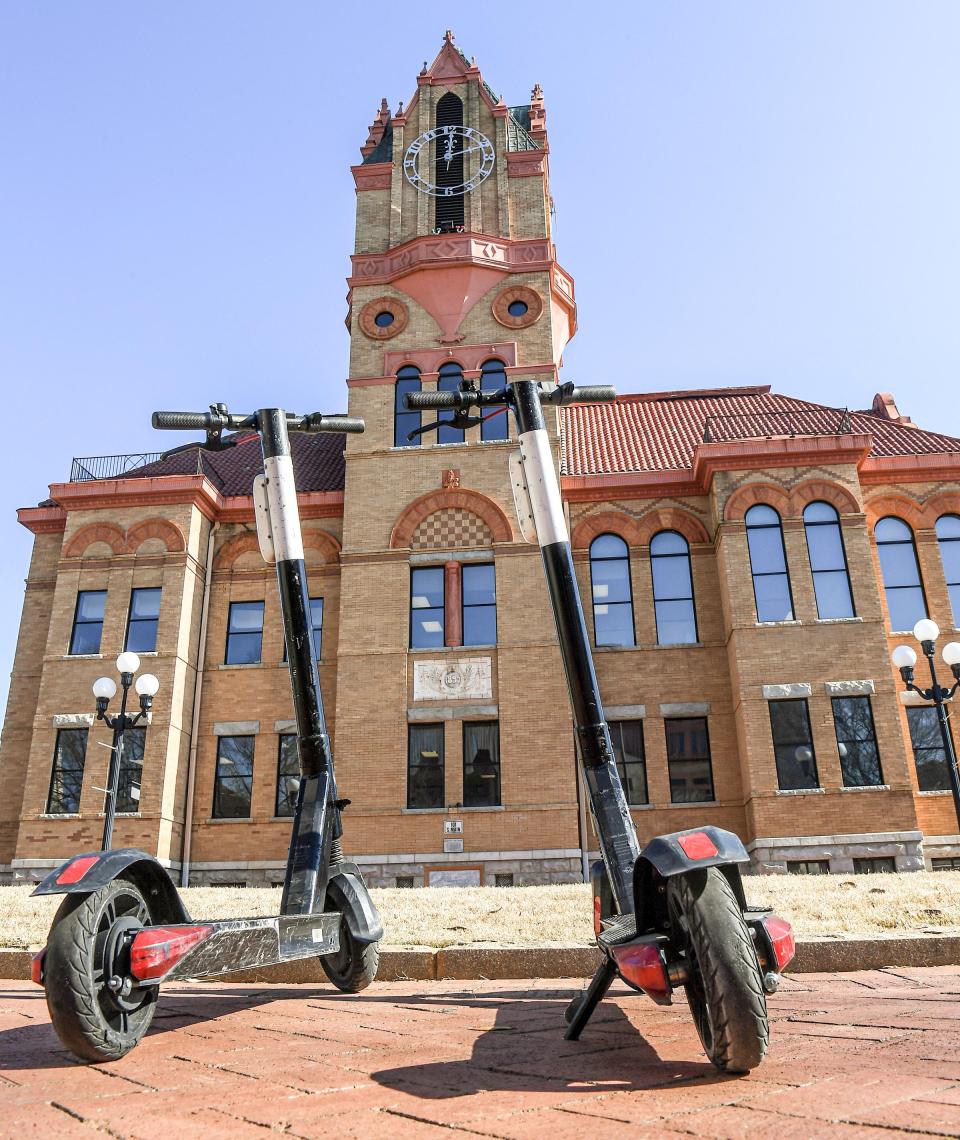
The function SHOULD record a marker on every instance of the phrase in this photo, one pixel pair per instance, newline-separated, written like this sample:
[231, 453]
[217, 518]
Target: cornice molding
[524, 256]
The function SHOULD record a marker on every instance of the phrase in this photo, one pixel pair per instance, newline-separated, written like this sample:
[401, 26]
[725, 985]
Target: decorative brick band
[406, 525]
[128, 542]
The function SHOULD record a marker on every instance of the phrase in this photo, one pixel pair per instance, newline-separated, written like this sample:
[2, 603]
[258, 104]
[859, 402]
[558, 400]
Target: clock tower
[454, 280]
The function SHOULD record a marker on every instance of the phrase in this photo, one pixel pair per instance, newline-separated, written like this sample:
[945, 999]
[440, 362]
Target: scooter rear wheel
[354, 966]
[724, 988]
[84, 949]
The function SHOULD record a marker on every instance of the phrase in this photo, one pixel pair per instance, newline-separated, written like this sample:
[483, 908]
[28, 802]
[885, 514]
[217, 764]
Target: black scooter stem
[615, 830]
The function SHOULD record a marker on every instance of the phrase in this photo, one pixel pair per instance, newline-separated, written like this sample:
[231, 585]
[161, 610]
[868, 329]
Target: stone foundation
[771, 856]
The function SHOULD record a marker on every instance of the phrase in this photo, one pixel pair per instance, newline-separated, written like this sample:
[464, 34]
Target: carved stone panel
[466, 678]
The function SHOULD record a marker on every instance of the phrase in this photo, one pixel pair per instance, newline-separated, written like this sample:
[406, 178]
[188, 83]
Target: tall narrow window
[316, 625]
[493, 377]
[902, 584]
[793, 745]
[66, 779]
[404, 422]
[672, 589]
[425, 766]
[450, 375]
[244, 633]
[933, 772]
[426, 607]
[688, 759]
[856, 742]
[768, 563]
[88, 621]
[233, 784]
[143, 620]
[131, 770]
[627, 739]
[481, 764]
[828, 561]
[611, 591]
[479, 604]
[948, 536]
[288, 774]
[448, 169]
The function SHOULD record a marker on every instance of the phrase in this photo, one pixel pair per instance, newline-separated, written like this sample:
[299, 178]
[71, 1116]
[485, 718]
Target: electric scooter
[673, 914]
[122, 928]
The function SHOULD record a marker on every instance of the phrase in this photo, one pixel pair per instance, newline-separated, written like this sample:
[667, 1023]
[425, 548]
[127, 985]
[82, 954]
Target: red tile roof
[659, 431]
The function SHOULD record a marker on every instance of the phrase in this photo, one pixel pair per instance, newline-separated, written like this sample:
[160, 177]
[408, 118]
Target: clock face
[442, 146]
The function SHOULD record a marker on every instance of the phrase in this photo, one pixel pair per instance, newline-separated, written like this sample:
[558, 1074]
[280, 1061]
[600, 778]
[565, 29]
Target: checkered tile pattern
[450, 528]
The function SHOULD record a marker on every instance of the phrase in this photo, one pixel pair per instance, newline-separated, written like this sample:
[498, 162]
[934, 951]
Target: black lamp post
[905, 658]
[103, 689]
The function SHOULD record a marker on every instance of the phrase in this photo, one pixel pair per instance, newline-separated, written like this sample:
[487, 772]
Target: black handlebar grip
[353, 425]
[592, 394]
[181, 421]
[415, 400]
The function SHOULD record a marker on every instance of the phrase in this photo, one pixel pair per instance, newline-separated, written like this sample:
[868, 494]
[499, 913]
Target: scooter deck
[617, 930]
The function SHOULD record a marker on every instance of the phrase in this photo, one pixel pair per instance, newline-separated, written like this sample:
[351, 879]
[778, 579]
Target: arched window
[768, 563]
[612, 595]
[404, 422]
[672, 589]
[948, 536]
[828, 561]
[493, 377]
[450, 376]
[902, 584]
[448, 171]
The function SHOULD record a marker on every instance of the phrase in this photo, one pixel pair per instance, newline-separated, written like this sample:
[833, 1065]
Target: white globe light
[803, 754]
[926, 630]
[951, 653]
[842, 749]
[104, 688]
[904, 657]
[128, 662]
[147, 685]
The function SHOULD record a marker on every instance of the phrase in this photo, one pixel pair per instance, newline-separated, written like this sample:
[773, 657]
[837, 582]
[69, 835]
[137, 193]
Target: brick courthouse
[743, 559]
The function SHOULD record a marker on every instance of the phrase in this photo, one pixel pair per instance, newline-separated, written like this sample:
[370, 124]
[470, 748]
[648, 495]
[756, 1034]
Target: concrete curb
[468, 963]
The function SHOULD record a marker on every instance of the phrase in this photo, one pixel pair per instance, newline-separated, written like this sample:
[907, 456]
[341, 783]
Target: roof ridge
[695, 393]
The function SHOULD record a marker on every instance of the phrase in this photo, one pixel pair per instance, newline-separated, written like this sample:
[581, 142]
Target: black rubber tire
[725, 988]
[354, 966]
[87, 1018]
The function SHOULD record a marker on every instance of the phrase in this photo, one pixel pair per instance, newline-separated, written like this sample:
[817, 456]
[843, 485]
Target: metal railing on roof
[89, 467]
[768, 425]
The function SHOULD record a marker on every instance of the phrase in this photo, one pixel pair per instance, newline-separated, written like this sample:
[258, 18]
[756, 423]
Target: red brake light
[74, 872]
[641, 964]
[36, 966]
[780, 933]
[157, 949]
[597, 925]
[698, 845]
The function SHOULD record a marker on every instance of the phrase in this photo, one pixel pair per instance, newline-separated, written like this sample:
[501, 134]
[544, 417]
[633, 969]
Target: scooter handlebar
[210, 421]
[561, 394]
[190, 421]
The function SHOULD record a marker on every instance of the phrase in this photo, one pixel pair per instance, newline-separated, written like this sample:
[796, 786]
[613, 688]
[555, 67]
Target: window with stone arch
[900, 569]
[404, 421]
[450, 375]
[768, 564]
[611, 591]
[493, 377]
[672, 589]
[828, 561]
[948, 539]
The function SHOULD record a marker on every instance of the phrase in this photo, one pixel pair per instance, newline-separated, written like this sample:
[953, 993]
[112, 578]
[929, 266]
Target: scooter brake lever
[214, 445]
[459, 420]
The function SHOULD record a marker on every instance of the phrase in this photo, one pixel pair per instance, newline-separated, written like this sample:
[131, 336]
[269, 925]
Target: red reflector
[780, 933]
[157, 949]
[36, 966]
[597, 925]
[74, 872]
[697, 845]
[641, 964]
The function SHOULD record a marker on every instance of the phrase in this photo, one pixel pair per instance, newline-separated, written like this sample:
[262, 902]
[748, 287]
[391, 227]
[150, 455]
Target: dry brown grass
[545, 916]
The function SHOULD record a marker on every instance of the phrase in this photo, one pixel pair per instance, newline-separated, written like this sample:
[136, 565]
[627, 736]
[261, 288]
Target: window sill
[776, 624]
[837, 621]
[241, 665]
[455, 810]
[83, 657]
[75, 814]
[644, 648]
[687, 804]
[800, 792]
[280, 664]
[448, 648]
[231, 819]
[932, 792]
[865, 788]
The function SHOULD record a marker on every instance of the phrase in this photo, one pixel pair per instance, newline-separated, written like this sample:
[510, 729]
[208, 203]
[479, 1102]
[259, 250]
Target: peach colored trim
[312, 504]
[86, 536]
[449, 296]
[369, 312]
[468, 356]
[98, 494]
[607, 522]
[486, 509]
[505, 298]
[899, 506]
[947, 503]
[672, 518]
[910, 468]
[750, 495]
[526, 163]
[372, 175]
[168, 532]
[240, 544]
[42, 520]
[819, 490]
[522, 256]
[453, 597]
[632, 484]
[782, 451]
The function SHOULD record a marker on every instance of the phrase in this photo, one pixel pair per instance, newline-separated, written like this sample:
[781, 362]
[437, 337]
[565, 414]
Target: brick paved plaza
[874, 1054]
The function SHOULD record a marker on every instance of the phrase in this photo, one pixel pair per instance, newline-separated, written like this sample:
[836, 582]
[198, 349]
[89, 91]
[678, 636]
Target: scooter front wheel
[95, 1012]
[724, 986]
[354, 966]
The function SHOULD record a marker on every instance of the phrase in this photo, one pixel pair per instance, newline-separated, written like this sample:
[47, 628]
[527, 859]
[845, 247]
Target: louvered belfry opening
[449, 171]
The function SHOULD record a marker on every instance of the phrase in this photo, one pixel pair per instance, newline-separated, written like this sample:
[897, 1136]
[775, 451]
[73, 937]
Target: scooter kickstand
[600, 983]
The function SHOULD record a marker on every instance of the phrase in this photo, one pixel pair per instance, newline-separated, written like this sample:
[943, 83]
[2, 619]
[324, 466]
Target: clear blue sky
[746, 193]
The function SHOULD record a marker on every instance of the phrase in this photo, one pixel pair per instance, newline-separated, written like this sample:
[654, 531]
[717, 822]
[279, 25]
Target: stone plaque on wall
[466, 678]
